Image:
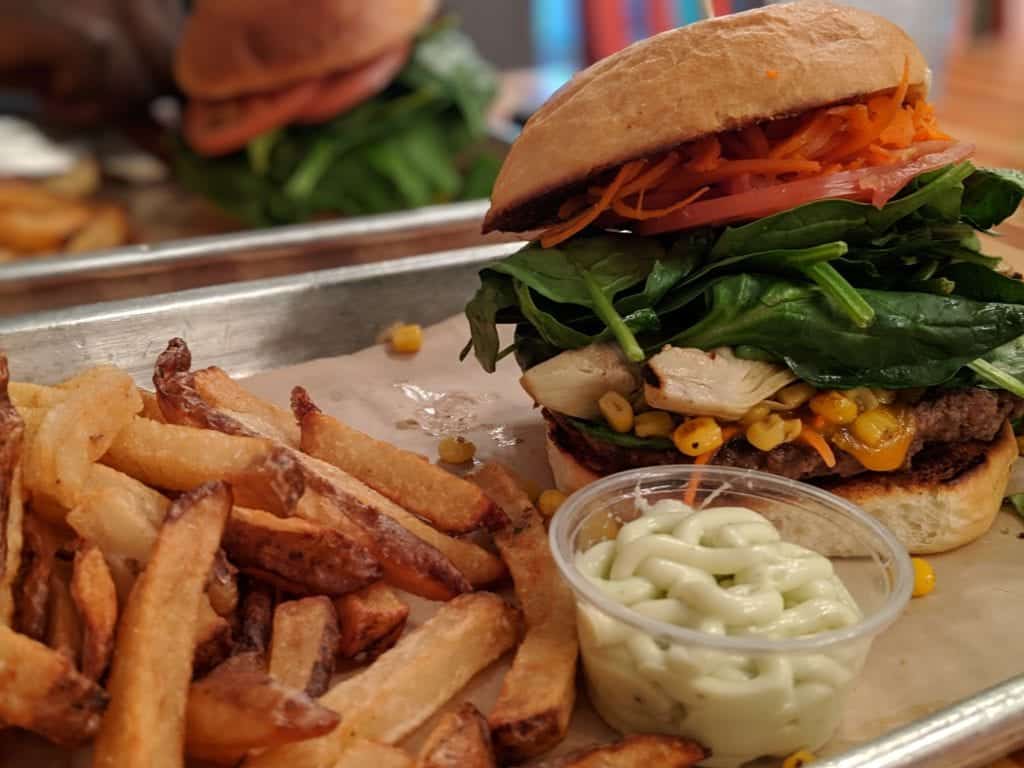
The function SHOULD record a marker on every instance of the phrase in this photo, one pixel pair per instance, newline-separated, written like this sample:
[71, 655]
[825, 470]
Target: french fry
[296, 555]
[257, 619]
[213, 639]
[26, 395]
[32, 230]
[235, 709]
[77, 432]
[450, 503]
[222, 586]
[371, 620]
[303, 644]
[411, 565]
[12, 430]
[228, 396]
[64, 628]
[533, 709]
[32, 596]
[150, 407]
[644, 751]
[461, 739]
[42, 691]
[405, 686]
[152, 666]
[362, 753]
[107, 227]
[95, 596]
[276, 478]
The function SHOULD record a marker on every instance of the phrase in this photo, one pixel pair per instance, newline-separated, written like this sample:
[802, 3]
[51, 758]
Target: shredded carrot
[706, 154]
[557, 234]
[728, 433]
[900, 132]
[886, 111]
[641, 215]
[818, 443]
[878, 156]
[651, 176]
[756, 141]
[771, 74]
[813, 126]
[818, 423]
[572, 206]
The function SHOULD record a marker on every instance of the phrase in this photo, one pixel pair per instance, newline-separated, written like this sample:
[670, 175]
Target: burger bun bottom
[948, 499]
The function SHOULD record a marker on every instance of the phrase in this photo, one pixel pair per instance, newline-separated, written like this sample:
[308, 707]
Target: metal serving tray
[32, 285]
[258, 326]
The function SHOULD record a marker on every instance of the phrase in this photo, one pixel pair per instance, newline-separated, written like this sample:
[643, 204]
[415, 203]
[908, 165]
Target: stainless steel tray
[257, 326]
[62, 281]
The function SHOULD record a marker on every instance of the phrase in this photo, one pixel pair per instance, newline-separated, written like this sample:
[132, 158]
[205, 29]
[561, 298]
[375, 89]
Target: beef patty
[941, 416]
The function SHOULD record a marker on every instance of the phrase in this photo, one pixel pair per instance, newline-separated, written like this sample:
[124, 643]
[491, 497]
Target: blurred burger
[331, 107]
[757, 247]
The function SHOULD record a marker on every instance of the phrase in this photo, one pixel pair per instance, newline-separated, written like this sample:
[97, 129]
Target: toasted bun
[233, 47]
[949, 499]
[705, 78]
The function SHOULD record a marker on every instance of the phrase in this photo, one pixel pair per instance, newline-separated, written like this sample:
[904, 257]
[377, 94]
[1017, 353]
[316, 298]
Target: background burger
[759, 248]
[331, 106]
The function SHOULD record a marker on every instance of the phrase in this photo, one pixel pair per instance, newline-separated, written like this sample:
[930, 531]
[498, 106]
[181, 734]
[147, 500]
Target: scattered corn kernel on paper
[943, 649]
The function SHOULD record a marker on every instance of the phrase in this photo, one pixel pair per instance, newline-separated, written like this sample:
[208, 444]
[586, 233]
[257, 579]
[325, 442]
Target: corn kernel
[834, 407]
[697, 436]
[407, 338]
[792, 428]
[456, 450]
[924, 577]
[549, 502]
[653, 424]
[795, 395]
[875, 427]
[798, 759]
[759, 412]
[616, 411]
[767, 434]
[865, 398]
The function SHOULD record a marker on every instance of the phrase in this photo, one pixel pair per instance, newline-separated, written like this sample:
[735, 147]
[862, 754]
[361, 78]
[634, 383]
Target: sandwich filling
[806, 295]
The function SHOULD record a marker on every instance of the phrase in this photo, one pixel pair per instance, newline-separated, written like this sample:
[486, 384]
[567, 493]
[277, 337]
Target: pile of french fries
[195, 574]
[56, 215]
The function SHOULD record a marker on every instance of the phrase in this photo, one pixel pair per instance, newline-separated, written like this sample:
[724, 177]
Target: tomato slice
[877, 185]
[221, 127]
[342, 91]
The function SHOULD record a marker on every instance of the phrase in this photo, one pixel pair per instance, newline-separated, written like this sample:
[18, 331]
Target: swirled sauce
[721, 571]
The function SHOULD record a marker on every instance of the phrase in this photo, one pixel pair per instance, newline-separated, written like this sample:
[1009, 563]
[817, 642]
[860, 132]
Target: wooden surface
[983, 102]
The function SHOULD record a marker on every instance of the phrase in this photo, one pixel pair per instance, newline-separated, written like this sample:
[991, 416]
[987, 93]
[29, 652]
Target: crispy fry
[213, 639]
[222, 586]
[12, 430]
[257, 619]
[231, 398]
[362, 753]
[450, 503]
[33, 590]
[533, 709]
[643, 751]
[235, 709]
[299, 556]
[276, 478]
[181, 458]
[64, 628]
[95, 596]
[77, 432]
[303, 644]
[460, 740]
[81, 180]
[150, 407]
[32, 230]
[107, 227]
[371, 619]
[43, 692]
[153, 658]
[405, 686]
[25, 395]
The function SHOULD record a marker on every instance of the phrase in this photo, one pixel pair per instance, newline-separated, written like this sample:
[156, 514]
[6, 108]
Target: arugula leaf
[608, 435]
[916, 339]
[992, 195]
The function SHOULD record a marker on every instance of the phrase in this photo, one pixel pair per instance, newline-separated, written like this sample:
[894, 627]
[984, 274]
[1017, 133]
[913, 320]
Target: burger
[327, 107]
[752, 244]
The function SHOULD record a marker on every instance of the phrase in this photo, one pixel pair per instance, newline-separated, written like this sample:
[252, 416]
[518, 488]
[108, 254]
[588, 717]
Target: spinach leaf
[992, 195]
[830, 220]
[493, 295]
[977, 282]
[916, 339]
[608, 435]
